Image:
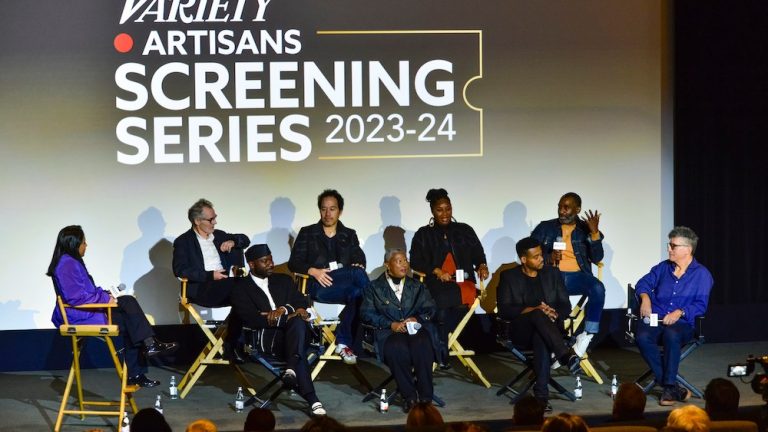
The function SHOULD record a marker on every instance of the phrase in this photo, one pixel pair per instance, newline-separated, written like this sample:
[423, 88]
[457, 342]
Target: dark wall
[720, 146]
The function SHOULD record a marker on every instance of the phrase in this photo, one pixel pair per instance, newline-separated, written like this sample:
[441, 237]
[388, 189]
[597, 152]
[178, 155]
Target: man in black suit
[204, 255]
[270, 304]
[330, 253]
[534, 299]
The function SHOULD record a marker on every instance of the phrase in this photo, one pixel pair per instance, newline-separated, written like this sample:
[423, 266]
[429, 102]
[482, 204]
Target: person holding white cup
[401, 310]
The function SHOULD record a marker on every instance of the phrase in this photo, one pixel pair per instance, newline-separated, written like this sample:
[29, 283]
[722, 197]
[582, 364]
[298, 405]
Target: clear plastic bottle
[126, 426]
[159, 403]
[614, 387]
[239, 400]
[578, 391]
[383, 402]
[173, 391]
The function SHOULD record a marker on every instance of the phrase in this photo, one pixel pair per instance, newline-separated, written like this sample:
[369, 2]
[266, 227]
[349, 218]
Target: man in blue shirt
[678, 291]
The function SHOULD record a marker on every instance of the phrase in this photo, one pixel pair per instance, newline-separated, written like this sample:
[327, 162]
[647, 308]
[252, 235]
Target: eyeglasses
[674, 246]
[209, 220]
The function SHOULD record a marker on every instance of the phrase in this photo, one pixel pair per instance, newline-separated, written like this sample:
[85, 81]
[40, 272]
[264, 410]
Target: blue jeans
[580, 283]
[347, 289]
[672, 338]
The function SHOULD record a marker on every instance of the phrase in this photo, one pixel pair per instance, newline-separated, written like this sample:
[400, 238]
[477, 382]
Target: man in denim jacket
[573, 245]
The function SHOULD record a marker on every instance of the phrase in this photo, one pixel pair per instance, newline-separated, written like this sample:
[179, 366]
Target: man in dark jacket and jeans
[573, 245]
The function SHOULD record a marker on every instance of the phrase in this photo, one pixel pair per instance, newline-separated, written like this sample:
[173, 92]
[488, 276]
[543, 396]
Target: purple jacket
[76, 288]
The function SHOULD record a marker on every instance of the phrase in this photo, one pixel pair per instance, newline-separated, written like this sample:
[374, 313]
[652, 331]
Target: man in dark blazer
[204, 255]
[270, 304]
[534, 300]
[330, 254]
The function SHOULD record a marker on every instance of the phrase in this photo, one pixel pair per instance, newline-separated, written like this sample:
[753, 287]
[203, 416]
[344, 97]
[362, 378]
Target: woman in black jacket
[448, 253]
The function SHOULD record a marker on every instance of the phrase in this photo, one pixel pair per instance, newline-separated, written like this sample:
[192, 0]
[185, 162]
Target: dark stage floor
[29, 400]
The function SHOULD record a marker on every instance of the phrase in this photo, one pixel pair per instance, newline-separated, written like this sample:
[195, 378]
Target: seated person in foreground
[721, 400]
[689, 418]
[629, 403]
[75, 285]
[677, 290]
[330, 253]
[204, 255]
[270, 304]
[533, 298]
[580, 245]
[390, 303]
[565, 422]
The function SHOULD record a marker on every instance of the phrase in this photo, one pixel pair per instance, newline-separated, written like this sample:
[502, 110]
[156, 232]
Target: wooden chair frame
[78, 333]
[212, 353]
[455, 348]
[572, 323]
[328, 338]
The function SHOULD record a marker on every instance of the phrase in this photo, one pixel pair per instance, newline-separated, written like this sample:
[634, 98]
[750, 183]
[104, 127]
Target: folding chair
[572, 324]
[78, 333]
[327, 325]
[526, 358]
[646, 381]
[275, 366]
[455, 348]
[212, 353]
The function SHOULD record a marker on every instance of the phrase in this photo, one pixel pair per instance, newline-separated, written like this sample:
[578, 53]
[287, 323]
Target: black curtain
[721, 141]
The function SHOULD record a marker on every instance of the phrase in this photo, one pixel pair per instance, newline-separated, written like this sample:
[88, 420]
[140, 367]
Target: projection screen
[118, 115]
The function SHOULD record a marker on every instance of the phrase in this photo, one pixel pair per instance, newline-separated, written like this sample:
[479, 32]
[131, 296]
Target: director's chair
[455, 348]
[646, 381]
[574, 321]
[212, 353]
[326, 326]
[105, 332]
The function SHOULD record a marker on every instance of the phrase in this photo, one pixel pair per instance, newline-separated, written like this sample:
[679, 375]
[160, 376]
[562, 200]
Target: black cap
[257, 251]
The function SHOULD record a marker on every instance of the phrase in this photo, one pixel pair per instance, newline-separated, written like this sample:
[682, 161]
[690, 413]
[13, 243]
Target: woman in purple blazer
[75, 285]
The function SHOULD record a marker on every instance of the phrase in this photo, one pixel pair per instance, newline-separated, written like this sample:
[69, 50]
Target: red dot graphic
[123, 42]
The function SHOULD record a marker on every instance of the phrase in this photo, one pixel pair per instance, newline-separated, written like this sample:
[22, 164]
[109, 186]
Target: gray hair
[686, 233]
[196, 211]
[392, 252]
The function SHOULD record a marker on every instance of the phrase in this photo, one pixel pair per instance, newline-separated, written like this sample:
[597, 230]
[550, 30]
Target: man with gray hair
[676, 291]
[204, 255]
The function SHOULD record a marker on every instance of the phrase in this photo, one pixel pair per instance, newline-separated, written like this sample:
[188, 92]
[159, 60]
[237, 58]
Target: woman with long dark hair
[75, 285]
[449, 253]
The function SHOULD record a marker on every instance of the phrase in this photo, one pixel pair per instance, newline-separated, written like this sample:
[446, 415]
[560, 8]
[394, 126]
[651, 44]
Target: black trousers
[408, 355]
[293, 349]
[216, 294]
[447, 318]
[534, 330]
[134, 329]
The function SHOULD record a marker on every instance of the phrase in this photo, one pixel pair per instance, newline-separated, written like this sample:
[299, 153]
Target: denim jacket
[587, 251]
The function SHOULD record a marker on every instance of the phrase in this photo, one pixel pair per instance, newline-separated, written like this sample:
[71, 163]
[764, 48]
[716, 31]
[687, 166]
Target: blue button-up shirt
[690, 292]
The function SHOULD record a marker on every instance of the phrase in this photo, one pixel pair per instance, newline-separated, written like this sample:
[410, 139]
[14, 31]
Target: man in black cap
[270, 304]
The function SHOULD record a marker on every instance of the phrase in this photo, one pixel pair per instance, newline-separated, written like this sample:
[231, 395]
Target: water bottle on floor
[159, 404]
[173, 391]
[239, 400]
[614, 387]
[578, 390]
[126, 426]
[383, 402]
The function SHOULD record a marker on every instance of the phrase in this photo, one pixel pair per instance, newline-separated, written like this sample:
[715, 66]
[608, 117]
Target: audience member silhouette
[565, 422]
[629, 403]
[528, 411]
[202, 425]
[323, 424]
[721, 400]
[149, 420]
[259, 420]
[423, 414]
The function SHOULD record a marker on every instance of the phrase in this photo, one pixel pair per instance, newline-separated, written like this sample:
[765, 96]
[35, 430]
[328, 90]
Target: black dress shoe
[142, 381]
[158, 347]
[408, 405]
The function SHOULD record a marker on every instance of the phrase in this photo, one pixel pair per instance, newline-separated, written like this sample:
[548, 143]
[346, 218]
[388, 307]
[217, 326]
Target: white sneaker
[348, 356]
[339, 347]
[317, 409]
[582, 342]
